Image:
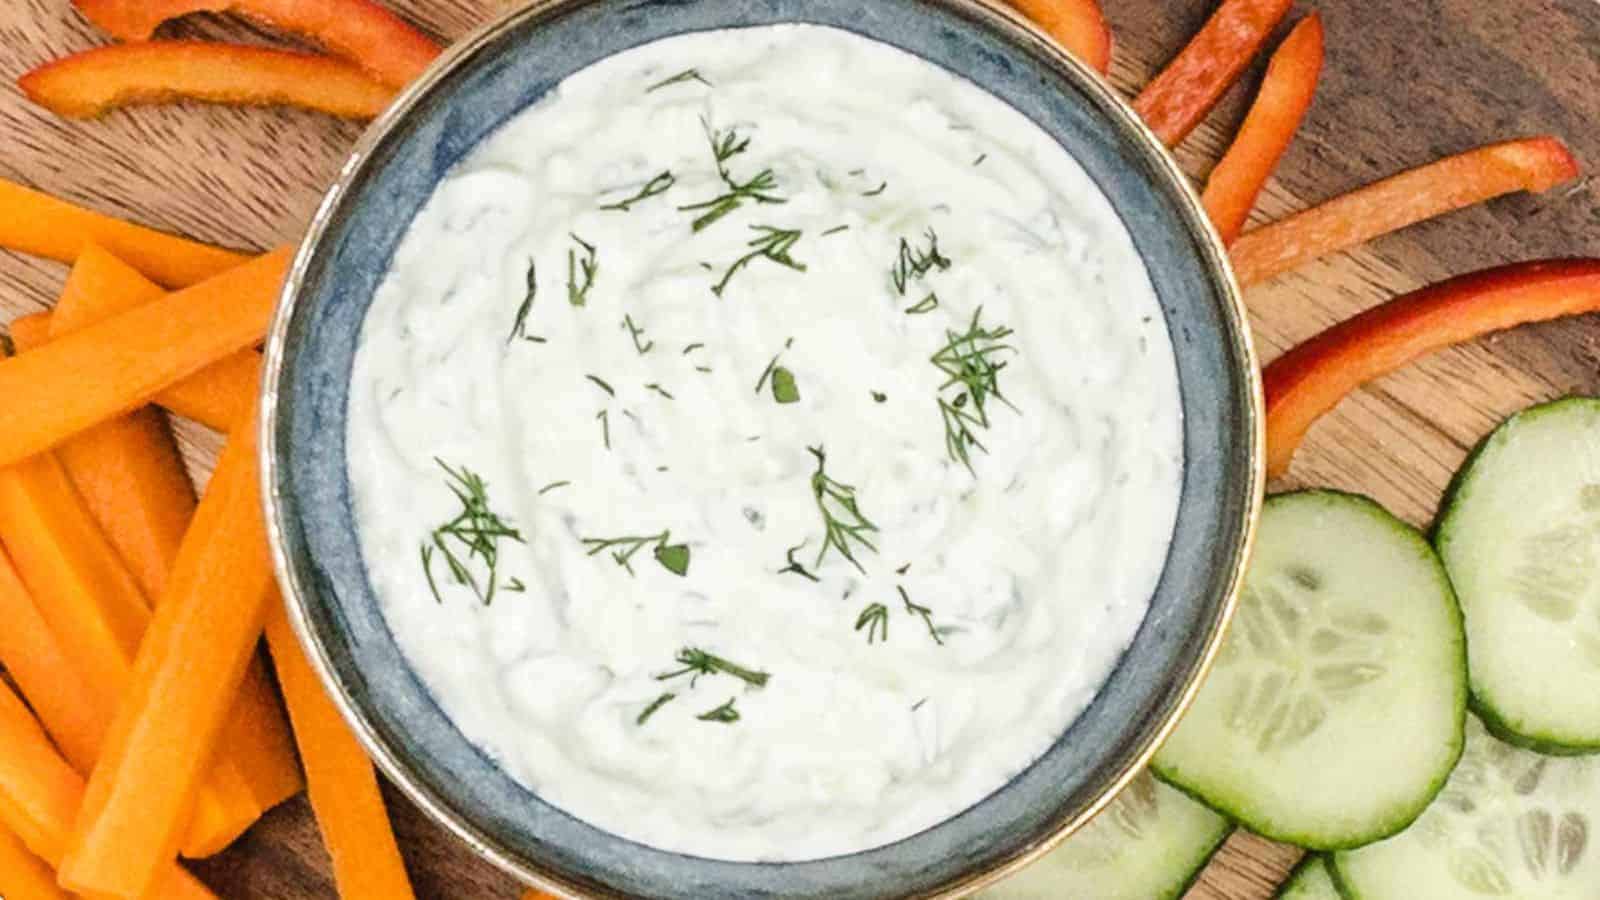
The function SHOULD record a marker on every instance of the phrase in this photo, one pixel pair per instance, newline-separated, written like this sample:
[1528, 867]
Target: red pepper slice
[1078, 25]
[1312, 378]
[1532, 164]
[1285, 97]
[87, 84]
[362, 31]
[1178, 99]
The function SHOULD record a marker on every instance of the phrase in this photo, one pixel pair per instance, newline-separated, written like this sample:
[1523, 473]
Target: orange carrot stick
[192, 660]
[1177, 99]
[40, 795]
[339, 777]
[1532, 164]
[74, 714]
[30, 331]
[1312, 378]
[1274, 118]
[217, 396]
[24, 876]
[362, 31]
[88, 84]
[1078, 25]
[121, 363]
[39, 224]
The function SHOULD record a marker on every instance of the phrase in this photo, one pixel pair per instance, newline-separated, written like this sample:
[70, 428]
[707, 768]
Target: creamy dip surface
[795, 534]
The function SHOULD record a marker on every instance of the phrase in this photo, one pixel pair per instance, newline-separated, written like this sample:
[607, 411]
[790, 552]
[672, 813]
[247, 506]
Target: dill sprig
[586, 268]
[925, 305]
[925, 613]
[725, 145]
[835, 230]
[795, 565]
[655, 704]
[842, 521]
[784, 387]
[697, 662]
[968, 360]
[912, 264]
[654, 386]
[680, 78]
[672, 557]
[602, 384]
[519, 328]
[773, 244]
[636, 332]
[605, 427]
[553, 486]
[657, 185]
[475, 532]
[876, 191]
[725, 713]
[875, 619]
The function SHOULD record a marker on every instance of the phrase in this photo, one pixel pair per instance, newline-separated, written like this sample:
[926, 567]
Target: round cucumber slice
[1510, 823]
[1310, 881]
[1334, 711]
[1149, 844]
[1520, 536]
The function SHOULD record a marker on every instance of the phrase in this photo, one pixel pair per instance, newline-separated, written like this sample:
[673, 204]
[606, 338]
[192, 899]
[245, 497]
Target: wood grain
[1405, 81]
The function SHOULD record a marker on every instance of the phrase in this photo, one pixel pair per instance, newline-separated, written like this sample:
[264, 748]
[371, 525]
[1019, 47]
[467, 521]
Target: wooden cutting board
[1406, 81]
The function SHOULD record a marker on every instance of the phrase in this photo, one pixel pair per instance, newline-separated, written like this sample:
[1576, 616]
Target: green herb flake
[660, 184]
[697, 662]
[581, 272]
[553, 486]
[605, 427]
[685, 76]
[471, 538]
[652, 386]
[875, 619]
[725, 713]
[912, 264]
[925, 305]
[603, 385]
[795, 565]
[784, 389]
[519, 327]
[672, 557]
[876, 191]
[880, 397]
[636, 332]
[655, 705]
[773, 244]
[835, 230]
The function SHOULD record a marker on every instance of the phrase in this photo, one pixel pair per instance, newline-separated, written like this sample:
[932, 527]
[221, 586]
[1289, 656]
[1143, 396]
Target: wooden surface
[1406, 81]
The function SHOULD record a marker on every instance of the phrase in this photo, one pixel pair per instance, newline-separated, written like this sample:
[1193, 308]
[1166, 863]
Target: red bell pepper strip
[87, 84]
[1078, 25]
[1312, 378]
[1533, 164]
[362, 31]
[1274, 118]
[1176, 100]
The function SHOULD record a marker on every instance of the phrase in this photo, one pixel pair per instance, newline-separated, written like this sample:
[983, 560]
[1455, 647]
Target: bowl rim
[1015, 28]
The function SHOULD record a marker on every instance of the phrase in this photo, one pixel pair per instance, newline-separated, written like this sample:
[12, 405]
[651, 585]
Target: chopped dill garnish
[601, 382]
[835, 230]
[919, 610]
[605, 428]
[773, 244]
[655, 704]
[692, 348]
[515, 585]
[925, 305]
[773, 364]
[842, 521]
[903, 569]
[725, 145]
[706, 369]
[875, 619]
[697, 662]
[784, 388]
[795, 565]
[968, 361]
[552, 486]
[588, 267]
[657, 185]
[653, 386]
[672, 557]
[912, 264]
[476, 531]
[519, 328]
[725, 713]
[880, 397]
[680, 78]
[980, 159]
[635, 332]
[876, 191]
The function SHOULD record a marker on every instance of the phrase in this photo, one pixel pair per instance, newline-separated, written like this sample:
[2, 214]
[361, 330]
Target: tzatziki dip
[765, 445]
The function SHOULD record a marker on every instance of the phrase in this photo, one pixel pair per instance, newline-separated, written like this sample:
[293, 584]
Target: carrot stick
[1177, 99]
[339, 777]
[217, 396]
[94, 82]
[39, 224]
[30, 331]
[1312, 378]
[1285, 97]
[362, 31]
[74, 714]
[121, 363]
[24, 876]
[40, 795]
[1078, 25]
[193, 658]
[1533, 164]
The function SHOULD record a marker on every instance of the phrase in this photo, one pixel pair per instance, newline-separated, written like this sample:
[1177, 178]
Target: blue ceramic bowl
[489, 78]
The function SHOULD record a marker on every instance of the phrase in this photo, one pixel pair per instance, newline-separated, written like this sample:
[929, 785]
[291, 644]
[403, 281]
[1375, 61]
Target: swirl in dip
[765, 445]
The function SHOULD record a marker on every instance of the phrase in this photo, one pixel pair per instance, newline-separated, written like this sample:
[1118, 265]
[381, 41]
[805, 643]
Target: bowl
[497, 72]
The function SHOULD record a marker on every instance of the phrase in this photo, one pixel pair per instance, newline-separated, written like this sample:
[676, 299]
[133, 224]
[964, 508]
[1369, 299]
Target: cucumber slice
[1149, 844]
[1510, 823]
[1311, 880]
[1520, 536]
[1334, 711]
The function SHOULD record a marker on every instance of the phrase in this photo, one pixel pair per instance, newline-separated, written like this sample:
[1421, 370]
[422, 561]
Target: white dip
[1024, 578]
